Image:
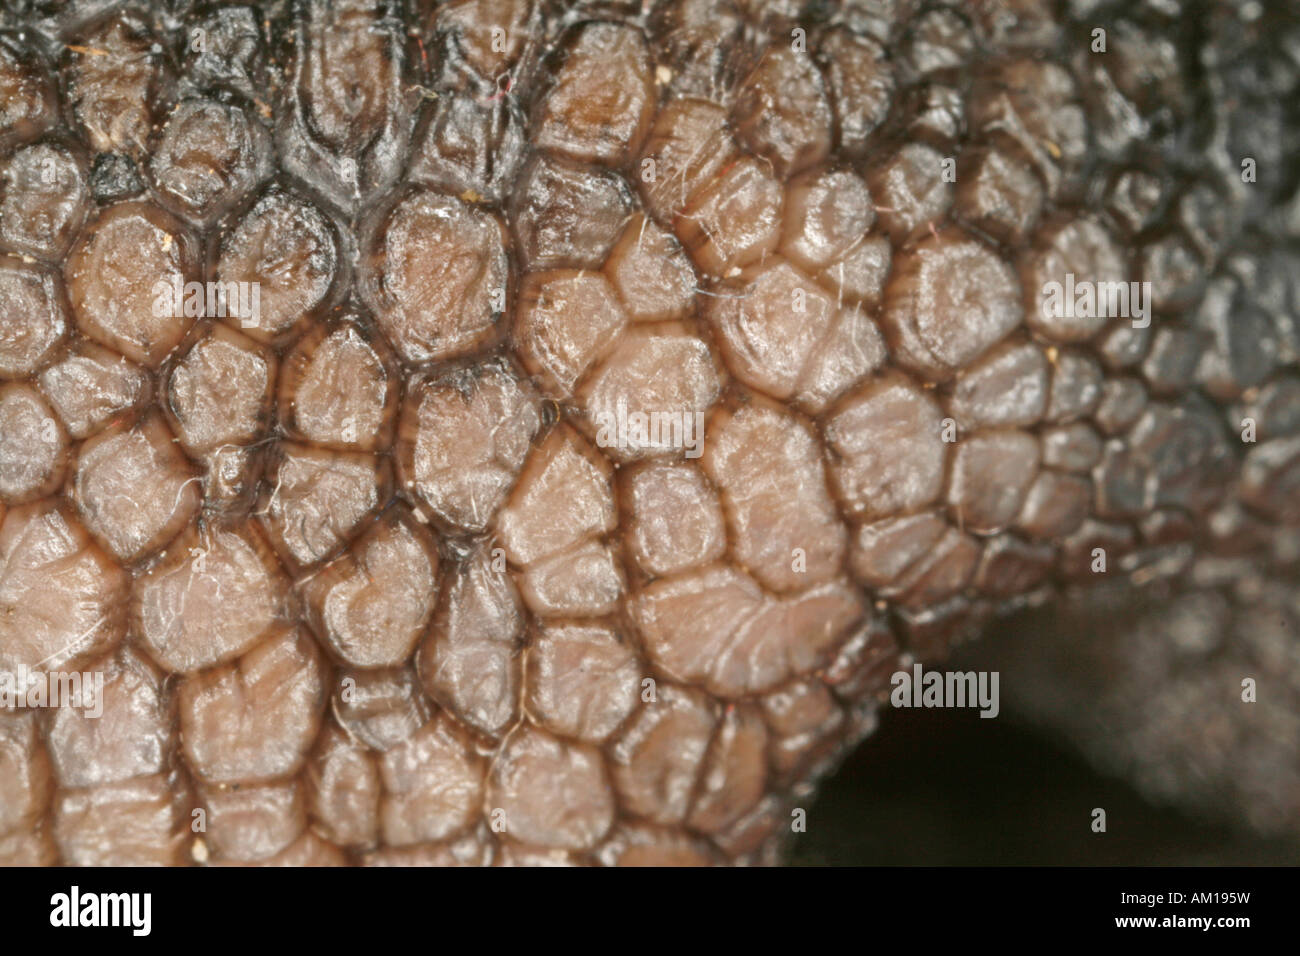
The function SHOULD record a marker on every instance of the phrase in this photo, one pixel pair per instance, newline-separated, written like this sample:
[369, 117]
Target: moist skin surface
[607, 398]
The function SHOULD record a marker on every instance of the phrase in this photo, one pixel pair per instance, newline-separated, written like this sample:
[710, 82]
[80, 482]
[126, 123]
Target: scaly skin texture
[368, 575]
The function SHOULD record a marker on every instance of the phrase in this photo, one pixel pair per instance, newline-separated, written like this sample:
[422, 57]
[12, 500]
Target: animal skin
[520, 432]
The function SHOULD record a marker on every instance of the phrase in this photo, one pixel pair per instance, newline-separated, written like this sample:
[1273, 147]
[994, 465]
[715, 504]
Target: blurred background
[1125, 700]
[932, 788]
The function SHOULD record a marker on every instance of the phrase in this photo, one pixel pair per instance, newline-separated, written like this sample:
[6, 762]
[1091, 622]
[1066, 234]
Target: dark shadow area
[945, 787]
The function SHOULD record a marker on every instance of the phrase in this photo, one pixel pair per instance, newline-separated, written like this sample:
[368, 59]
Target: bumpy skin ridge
[368, 577]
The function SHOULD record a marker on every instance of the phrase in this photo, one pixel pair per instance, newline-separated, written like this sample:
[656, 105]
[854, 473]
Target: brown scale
[365, 575]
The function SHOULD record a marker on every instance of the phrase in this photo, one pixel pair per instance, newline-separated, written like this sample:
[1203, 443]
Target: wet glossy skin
[370, 580]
